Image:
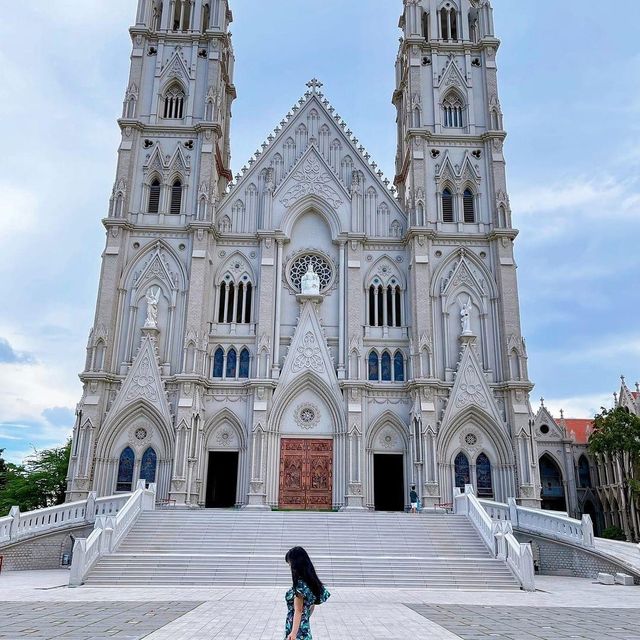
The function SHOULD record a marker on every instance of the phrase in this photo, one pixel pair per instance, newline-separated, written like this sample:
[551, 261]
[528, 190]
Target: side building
[211, 373]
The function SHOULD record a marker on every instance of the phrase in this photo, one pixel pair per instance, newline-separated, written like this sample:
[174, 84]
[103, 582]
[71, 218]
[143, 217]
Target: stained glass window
[463, 475]
[373, 367]
[584, 473]
[148, 467]
[218, 363]
[232, 360]
[386, 367]
[398, 367]
[244, 363]
[125, 470]
[483, 475]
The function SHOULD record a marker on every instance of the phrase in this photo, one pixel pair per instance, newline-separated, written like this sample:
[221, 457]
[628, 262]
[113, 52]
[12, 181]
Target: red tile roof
[580, 427]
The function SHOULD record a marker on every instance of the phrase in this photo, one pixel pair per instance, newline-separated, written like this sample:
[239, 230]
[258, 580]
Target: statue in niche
[465, 318]
[310, 285]
[153, 299]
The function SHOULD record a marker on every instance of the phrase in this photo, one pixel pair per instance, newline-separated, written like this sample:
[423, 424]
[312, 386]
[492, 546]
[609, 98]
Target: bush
[614, 533]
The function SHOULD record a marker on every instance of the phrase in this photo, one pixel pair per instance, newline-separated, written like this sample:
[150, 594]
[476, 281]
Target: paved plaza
[37, 606]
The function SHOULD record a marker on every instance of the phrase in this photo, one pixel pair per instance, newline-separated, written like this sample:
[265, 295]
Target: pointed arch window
[484, 481]
[584, 473]
[148, 466]
[374, 369]
[125, 470]
[385, 304]
[447, 206]
[235, 302]
[398, 367]
[182, 15]
[154, 196]
[218, 363]
[469, 206]
[174, 103]
[385, 361]
[232, 364]
[425, 25]
[453, 111]
[245, 363]
[176, 198]
[449, 22]
[206, 17]
[462, 471]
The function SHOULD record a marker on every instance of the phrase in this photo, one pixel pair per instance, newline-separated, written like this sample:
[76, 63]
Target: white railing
[497, 534]
[19, 526]
[546, 523]
[109, 532]
[518, 556]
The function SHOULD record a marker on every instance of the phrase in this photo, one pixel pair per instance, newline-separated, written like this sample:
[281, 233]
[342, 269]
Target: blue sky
[569, 89]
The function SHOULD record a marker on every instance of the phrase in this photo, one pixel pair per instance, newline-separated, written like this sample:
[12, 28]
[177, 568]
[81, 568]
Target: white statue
[465, 318]
[310, 285]
[153, 298]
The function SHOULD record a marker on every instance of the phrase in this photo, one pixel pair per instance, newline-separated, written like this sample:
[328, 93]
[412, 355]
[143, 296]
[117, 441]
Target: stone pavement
[562, 608]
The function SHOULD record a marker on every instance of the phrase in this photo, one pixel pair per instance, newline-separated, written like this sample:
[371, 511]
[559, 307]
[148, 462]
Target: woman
[307, 592]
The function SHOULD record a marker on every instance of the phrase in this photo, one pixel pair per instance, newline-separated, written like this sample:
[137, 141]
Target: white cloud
[585, 406]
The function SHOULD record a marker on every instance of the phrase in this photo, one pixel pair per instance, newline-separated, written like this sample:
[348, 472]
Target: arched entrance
[388, 474]
[553, 495]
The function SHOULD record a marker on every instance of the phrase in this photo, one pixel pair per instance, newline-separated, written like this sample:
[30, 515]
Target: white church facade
[306, 335]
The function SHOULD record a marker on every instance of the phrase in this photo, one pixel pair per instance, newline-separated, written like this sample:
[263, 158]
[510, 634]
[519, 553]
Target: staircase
[243, 548]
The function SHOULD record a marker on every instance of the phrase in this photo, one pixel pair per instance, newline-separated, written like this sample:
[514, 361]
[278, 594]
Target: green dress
[309, 600]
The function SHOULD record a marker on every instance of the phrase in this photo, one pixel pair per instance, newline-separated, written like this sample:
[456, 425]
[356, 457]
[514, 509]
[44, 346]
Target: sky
[573, 158]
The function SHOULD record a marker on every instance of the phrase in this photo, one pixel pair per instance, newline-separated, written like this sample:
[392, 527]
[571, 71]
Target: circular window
[307, 416]
[141, 433]
[544, 429]
[471, 439]
[300, 265]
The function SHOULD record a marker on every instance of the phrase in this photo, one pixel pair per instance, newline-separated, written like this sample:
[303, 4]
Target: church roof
[578, 428]
[314, 95]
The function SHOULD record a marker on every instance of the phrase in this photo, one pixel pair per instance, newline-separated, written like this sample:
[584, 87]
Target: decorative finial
[314, 84]
[561, 414]
[615, 397]
[638, 387]
[542, 402]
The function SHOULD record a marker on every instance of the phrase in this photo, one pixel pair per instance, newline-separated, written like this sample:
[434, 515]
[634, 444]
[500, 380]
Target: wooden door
[306, 474]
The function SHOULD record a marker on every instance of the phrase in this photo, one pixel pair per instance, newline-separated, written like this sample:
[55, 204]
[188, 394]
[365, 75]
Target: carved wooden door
[306, 474]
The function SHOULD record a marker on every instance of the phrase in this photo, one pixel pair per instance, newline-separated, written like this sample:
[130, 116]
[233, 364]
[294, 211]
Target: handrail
[109, 531]
[546, 523]
[497, 534]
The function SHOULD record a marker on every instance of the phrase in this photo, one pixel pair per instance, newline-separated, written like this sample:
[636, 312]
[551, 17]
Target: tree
[616, 435]
[40, 483]
[3, 470]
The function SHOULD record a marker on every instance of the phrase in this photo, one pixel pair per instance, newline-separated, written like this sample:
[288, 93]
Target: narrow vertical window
[245, 360]
[154, 196]
[206, 17]
[462, 471]
[453, 17]
[125, 470]
[248, 302]
[232, 362]
[240, 301]
[447, 206]
[484, 480]
[148, 466]
[386, 366]
[398, 367]
[231, 298]
[398, 303]
[372, 306]
[218, 363]
[444, 24]
[373, 367]
[469, 206]
[223, 298]
[176, 198]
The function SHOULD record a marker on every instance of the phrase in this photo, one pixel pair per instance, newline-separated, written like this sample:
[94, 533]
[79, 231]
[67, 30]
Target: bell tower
[472, 391]
[153, 303]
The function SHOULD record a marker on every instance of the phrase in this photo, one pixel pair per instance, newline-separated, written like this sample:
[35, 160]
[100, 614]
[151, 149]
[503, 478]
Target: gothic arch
[157, 246]
[317, 205]
[227, 267]
[392, 271]
[386, 420]
[216, 421]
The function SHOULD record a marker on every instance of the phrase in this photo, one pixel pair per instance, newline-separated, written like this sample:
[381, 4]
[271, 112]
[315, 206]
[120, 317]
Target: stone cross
[314, 84]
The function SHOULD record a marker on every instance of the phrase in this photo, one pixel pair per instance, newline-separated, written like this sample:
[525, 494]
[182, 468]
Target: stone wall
[42, 552]
[559, 559]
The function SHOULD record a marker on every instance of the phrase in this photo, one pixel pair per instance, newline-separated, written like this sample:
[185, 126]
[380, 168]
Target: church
[308, 334]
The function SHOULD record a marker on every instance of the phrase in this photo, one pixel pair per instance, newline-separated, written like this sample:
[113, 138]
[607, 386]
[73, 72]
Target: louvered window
[447, 206]
[154, 197]
[174, 104]
[176, 198]
[469, 206]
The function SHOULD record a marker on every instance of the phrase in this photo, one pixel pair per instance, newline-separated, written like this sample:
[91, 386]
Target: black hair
[302, 569]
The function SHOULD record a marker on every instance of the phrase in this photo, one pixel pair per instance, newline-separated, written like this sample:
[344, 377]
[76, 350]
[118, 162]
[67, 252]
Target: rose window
[471, 439]
[307, 416]
[141, 433]
[300, 266]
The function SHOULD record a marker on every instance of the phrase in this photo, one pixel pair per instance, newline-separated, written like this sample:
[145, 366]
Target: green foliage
[614, 533]
[615, 431]
[3, 470]
[40, 482]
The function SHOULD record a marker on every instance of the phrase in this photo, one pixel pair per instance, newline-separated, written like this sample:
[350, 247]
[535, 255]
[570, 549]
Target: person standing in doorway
[307, 592]
[413, 498]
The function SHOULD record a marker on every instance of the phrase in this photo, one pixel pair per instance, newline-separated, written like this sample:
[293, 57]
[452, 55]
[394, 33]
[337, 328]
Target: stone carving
[153, 298]
[465, 318]
[388, 439]
[310, 284]
[299, 268]
[307, 416]
[143, 384]
[471, 391]
[311, 179]
[308, 355]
